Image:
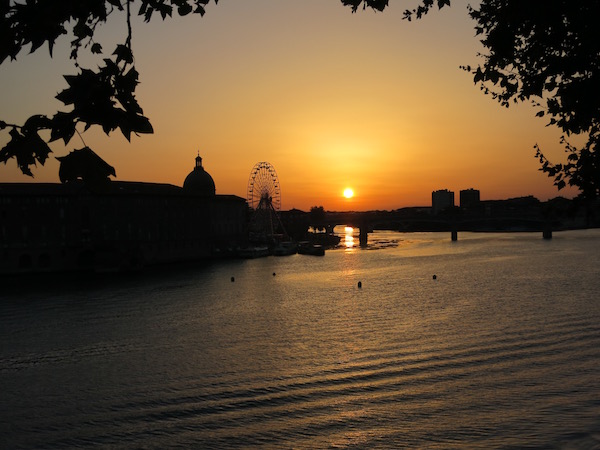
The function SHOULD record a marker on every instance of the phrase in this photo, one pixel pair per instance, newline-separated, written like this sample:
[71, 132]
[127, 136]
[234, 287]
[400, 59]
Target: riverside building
[117, 225]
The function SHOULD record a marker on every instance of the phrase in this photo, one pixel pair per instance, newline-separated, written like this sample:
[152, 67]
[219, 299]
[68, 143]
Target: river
[492, 341]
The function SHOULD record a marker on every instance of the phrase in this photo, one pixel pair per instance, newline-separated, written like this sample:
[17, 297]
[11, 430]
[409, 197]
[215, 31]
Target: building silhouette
[441, 200]
[116, 225]
[469, 198]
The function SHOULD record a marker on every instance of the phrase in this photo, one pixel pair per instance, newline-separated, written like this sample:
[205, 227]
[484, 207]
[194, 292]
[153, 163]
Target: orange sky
[331, 99]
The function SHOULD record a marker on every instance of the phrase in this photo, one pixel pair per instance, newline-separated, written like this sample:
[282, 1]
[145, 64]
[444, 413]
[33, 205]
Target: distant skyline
[333, 100]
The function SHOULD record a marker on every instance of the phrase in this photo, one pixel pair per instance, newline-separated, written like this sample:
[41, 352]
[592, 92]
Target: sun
[348, 193]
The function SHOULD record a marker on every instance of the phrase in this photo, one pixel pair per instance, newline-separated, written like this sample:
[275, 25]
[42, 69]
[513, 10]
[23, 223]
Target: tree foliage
[317, 217]
[547, 52]
[104, 96]
[543, 51]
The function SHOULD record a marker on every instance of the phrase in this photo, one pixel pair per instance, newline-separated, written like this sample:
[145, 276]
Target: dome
[199, 182]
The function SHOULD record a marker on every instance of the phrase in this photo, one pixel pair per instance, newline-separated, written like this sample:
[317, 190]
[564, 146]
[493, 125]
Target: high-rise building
[441, 200]
[469, 198]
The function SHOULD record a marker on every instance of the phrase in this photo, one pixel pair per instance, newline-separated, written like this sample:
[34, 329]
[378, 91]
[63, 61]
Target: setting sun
[348, 193]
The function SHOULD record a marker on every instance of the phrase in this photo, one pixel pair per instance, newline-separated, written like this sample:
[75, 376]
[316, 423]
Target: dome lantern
[199, 182]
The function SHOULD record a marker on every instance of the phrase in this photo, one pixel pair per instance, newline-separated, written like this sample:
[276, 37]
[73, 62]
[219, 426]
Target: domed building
[199, 182]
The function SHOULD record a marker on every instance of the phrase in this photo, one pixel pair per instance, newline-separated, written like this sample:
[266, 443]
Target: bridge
[366, 222]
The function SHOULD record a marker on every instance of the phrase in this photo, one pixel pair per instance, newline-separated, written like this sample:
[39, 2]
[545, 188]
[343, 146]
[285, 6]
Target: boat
[285, 248]
[327, 240]
[253, 252]
[308, 248]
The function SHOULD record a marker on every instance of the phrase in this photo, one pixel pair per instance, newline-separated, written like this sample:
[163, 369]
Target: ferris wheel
[263, 188]
[264, 198]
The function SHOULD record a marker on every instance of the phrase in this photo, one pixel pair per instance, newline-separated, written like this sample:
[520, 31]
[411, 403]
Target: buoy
[360, 284]
[232, 279]
[435, 277]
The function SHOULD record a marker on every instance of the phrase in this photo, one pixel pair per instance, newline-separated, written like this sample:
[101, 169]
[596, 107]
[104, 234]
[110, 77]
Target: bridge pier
[363, 232]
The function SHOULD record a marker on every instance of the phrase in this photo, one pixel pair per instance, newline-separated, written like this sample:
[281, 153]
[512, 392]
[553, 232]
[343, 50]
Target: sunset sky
[331, 99]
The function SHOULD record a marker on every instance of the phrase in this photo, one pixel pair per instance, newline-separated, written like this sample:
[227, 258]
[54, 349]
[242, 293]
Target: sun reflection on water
[349, 237]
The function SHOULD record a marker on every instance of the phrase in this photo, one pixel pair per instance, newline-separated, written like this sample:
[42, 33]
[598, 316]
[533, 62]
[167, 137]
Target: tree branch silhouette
[104, 96]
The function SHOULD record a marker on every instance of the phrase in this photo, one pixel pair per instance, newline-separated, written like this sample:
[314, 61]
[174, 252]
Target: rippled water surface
[501, 350]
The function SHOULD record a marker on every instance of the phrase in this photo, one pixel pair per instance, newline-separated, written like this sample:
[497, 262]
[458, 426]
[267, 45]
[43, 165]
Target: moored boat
[308, 248]
[253, 252]
[285, 248]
